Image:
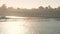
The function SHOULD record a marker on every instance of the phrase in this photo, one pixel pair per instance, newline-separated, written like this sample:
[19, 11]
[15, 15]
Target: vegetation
[45, 12]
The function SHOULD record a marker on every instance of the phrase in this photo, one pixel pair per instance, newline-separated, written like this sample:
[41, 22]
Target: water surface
[30, 25]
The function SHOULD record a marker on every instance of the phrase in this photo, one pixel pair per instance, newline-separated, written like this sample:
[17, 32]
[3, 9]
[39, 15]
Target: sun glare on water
[14, 27]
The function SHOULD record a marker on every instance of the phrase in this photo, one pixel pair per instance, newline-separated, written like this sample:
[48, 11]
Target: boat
[3, 17]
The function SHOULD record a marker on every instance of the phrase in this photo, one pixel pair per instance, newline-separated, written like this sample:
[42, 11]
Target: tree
[49, 7]
[41, 8]
[4, 7]
[3, 10]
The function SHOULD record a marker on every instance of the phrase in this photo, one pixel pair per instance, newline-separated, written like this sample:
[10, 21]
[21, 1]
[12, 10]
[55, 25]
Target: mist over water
[30, 25]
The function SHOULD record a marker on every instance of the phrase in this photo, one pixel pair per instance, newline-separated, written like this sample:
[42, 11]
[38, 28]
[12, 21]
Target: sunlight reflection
[14, 27]
[22, 25]
[14, 17]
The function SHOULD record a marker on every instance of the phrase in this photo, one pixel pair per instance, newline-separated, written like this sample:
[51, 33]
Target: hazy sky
[30, 3]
